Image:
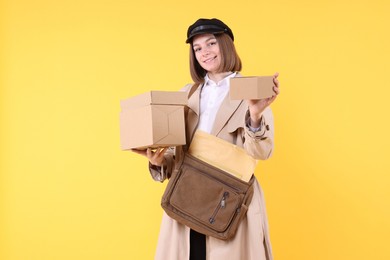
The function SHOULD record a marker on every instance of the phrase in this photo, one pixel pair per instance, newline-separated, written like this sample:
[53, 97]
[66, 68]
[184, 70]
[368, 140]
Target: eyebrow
[211, 38]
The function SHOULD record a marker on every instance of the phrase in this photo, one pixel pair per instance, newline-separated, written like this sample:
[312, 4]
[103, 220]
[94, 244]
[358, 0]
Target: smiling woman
[68, 192]
[214, 54]
[207, 52]
[245, 123]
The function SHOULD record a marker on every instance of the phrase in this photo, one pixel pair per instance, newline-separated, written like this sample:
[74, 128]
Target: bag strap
[193, 89]
[181, 150]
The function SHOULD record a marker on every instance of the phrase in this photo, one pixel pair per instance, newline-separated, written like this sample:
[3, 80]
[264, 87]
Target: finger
[269, 102]
[141, 152]
[276, 90]
[276, 82]
[156, 154]
[163, 150]
[159, 153]
[149, 153]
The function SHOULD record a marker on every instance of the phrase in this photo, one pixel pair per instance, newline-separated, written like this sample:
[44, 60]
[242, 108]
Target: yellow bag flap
[223, 155]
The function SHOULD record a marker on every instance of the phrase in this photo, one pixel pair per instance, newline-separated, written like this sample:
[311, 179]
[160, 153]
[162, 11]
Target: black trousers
[197, 246]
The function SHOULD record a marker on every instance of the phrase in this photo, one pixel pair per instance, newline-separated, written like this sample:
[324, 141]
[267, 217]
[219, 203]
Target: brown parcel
[251, 87]
[153, 119]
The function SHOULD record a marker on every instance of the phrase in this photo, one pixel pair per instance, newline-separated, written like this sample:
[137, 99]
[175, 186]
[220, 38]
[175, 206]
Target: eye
[196, 49]
[212, 43]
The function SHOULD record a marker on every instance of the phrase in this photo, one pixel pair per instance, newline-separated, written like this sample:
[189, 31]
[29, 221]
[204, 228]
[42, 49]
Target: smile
[209, 60]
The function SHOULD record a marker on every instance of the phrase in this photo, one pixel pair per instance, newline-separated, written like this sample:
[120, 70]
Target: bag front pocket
[210, 201]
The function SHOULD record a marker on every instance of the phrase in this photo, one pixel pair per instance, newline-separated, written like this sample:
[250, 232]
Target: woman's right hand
[155, 157]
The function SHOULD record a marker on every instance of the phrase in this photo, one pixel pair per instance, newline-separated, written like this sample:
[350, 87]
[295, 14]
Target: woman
[246, 123]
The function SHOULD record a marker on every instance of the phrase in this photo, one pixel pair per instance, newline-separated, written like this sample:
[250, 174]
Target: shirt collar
[207, 80]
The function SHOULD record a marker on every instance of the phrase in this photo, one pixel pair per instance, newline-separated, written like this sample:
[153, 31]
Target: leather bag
[207, 199]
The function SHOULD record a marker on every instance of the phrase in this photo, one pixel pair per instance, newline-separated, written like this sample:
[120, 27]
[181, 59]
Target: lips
[210, 59]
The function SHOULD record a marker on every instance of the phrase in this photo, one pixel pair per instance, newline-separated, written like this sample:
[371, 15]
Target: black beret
[213, 26]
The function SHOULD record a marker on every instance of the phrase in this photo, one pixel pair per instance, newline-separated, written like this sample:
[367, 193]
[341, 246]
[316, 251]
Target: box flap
[168, 129]
[155, 98]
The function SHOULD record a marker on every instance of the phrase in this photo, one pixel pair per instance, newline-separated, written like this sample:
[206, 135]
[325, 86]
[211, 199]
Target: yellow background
[67, 191]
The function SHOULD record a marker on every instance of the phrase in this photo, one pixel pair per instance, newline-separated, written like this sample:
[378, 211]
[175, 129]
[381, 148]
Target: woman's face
[206, 51]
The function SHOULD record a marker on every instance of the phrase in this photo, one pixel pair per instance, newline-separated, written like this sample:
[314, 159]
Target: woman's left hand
[257, 107]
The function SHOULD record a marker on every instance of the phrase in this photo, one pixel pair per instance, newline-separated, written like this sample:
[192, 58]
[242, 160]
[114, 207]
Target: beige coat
[251, 241]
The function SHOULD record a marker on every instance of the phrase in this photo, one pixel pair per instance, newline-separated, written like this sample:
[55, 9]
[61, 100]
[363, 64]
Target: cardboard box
[251, 87]
[153, 119]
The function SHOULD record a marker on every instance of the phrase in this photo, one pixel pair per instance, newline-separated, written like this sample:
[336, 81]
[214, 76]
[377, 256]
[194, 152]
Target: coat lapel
[225, 111]
[193, 114]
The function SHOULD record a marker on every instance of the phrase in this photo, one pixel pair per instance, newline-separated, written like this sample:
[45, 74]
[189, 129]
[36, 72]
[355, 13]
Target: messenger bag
[206, 198]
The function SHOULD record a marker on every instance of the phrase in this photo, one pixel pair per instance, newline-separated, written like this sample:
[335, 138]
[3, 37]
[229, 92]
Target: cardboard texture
[223, 155]
[155, 98]
[251, 87]
[153, 119]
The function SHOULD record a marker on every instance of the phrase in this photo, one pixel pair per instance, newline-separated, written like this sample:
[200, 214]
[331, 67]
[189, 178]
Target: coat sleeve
[260, 144]
[162, 173]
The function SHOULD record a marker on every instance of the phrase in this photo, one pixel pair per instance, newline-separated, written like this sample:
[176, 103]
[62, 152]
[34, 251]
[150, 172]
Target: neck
[217, 77]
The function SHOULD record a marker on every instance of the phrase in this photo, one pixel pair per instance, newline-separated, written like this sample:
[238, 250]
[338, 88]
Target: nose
[205, 51]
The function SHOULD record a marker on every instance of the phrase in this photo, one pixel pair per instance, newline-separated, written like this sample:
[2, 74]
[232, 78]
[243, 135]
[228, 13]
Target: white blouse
[211, 97]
